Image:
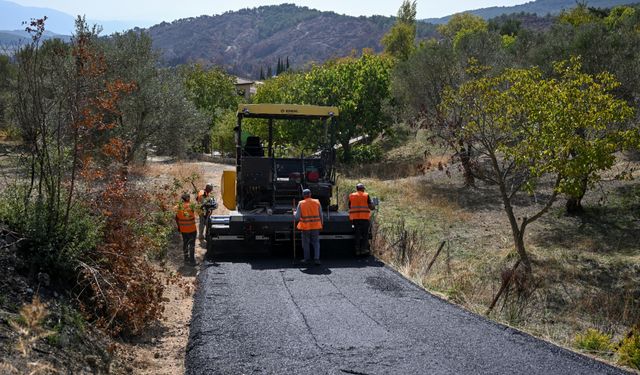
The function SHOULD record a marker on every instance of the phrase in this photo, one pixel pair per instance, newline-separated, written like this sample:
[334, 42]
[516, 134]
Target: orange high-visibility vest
[359, 209]
[310, 212]
[186, 218]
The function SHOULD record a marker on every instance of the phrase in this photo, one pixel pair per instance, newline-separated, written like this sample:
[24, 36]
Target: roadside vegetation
[517, 197]
[85, 228]
[505, 160]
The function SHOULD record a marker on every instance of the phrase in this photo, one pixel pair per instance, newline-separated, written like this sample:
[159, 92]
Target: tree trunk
[464, 152]
[516, 230]
[346, 151]
[524, 257]
[206, 144]
[574, 206]
[465, 159]
[574, 203]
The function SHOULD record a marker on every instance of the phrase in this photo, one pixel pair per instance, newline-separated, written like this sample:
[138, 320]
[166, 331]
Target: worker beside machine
[207, 204]
[186, 220]
[309, 217]
[360, 206]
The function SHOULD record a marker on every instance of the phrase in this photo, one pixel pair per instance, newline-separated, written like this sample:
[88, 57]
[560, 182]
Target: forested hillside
[246, 41]
[242, 42]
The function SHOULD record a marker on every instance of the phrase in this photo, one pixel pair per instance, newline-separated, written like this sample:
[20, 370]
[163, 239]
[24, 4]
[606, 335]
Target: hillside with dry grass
[456, 241]
[248, 40]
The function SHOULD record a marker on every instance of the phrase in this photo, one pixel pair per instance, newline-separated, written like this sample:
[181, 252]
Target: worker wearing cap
[186, 220]
[360, 206]
[201, 198]
[309, 217]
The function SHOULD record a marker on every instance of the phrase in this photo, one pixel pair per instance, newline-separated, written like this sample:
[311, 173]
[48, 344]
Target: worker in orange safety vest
[186, 220]
[360, 206]
[202, 196]
[309, 217]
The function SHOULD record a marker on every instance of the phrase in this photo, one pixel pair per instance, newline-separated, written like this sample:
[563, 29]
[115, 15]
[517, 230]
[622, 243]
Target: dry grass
[385, 170]
[185, 177]
[178, 170]
[586, 270]
[29, 327]
[409, 147]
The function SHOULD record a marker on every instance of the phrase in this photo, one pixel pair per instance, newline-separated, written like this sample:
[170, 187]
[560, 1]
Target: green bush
[50, 244]
[629, 351]
[593, 341]
[156, 229]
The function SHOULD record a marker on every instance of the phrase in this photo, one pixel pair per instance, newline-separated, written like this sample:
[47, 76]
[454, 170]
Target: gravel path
[351, 317]
[160, 351]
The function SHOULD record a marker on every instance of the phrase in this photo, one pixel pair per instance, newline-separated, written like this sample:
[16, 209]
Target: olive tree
[526, 130]
[213, 92]
[180, 125]
[605, 41]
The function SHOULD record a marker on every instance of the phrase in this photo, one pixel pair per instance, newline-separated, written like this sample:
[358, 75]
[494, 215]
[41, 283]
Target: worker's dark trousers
[311, 238]
[361, 236]
[189, 245]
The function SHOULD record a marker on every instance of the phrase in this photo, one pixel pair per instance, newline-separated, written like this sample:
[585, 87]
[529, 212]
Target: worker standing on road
[309, 217]
[186, 220]
[360, 206]
[202, 197]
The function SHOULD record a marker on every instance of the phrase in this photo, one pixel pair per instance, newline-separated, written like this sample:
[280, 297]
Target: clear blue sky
[169, 10]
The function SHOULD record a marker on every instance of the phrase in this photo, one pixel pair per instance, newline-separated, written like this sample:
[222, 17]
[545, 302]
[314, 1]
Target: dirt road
[161, 350]
[268, 316]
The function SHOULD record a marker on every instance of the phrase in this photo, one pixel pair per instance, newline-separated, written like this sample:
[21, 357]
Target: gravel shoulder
[161, 350]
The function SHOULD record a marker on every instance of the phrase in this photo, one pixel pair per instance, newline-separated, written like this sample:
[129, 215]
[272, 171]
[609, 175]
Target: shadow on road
[268, 262]
[316, 270]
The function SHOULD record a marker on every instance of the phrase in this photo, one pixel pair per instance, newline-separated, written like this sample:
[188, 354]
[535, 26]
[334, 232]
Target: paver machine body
[263, 189]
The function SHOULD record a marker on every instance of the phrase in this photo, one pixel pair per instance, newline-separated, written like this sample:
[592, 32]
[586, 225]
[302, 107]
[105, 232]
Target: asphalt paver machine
[263, 190]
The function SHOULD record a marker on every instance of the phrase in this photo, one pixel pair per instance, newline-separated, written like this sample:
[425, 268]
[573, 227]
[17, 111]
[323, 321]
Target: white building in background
[247, 88]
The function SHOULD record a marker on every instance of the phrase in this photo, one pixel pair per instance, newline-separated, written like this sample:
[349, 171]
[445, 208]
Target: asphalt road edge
[196, 329]
[569, 352]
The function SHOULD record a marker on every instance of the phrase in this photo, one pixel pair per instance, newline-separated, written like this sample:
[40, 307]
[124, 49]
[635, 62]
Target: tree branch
[546, 207]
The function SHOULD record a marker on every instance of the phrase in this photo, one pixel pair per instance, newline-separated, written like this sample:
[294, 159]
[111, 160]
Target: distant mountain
[11, 41]
[8, 37]
[244, 41]
[539, 7]
[13, 16]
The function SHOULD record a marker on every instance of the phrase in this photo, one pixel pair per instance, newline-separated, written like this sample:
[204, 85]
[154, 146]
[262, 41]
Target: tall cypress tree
[287, 68]
[269, 72]
[261, 74]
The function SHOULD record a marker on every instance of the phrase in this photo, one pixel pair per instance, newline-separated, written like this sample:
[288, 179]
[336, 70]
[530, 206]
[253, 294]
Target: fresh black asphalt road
[267, 316]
